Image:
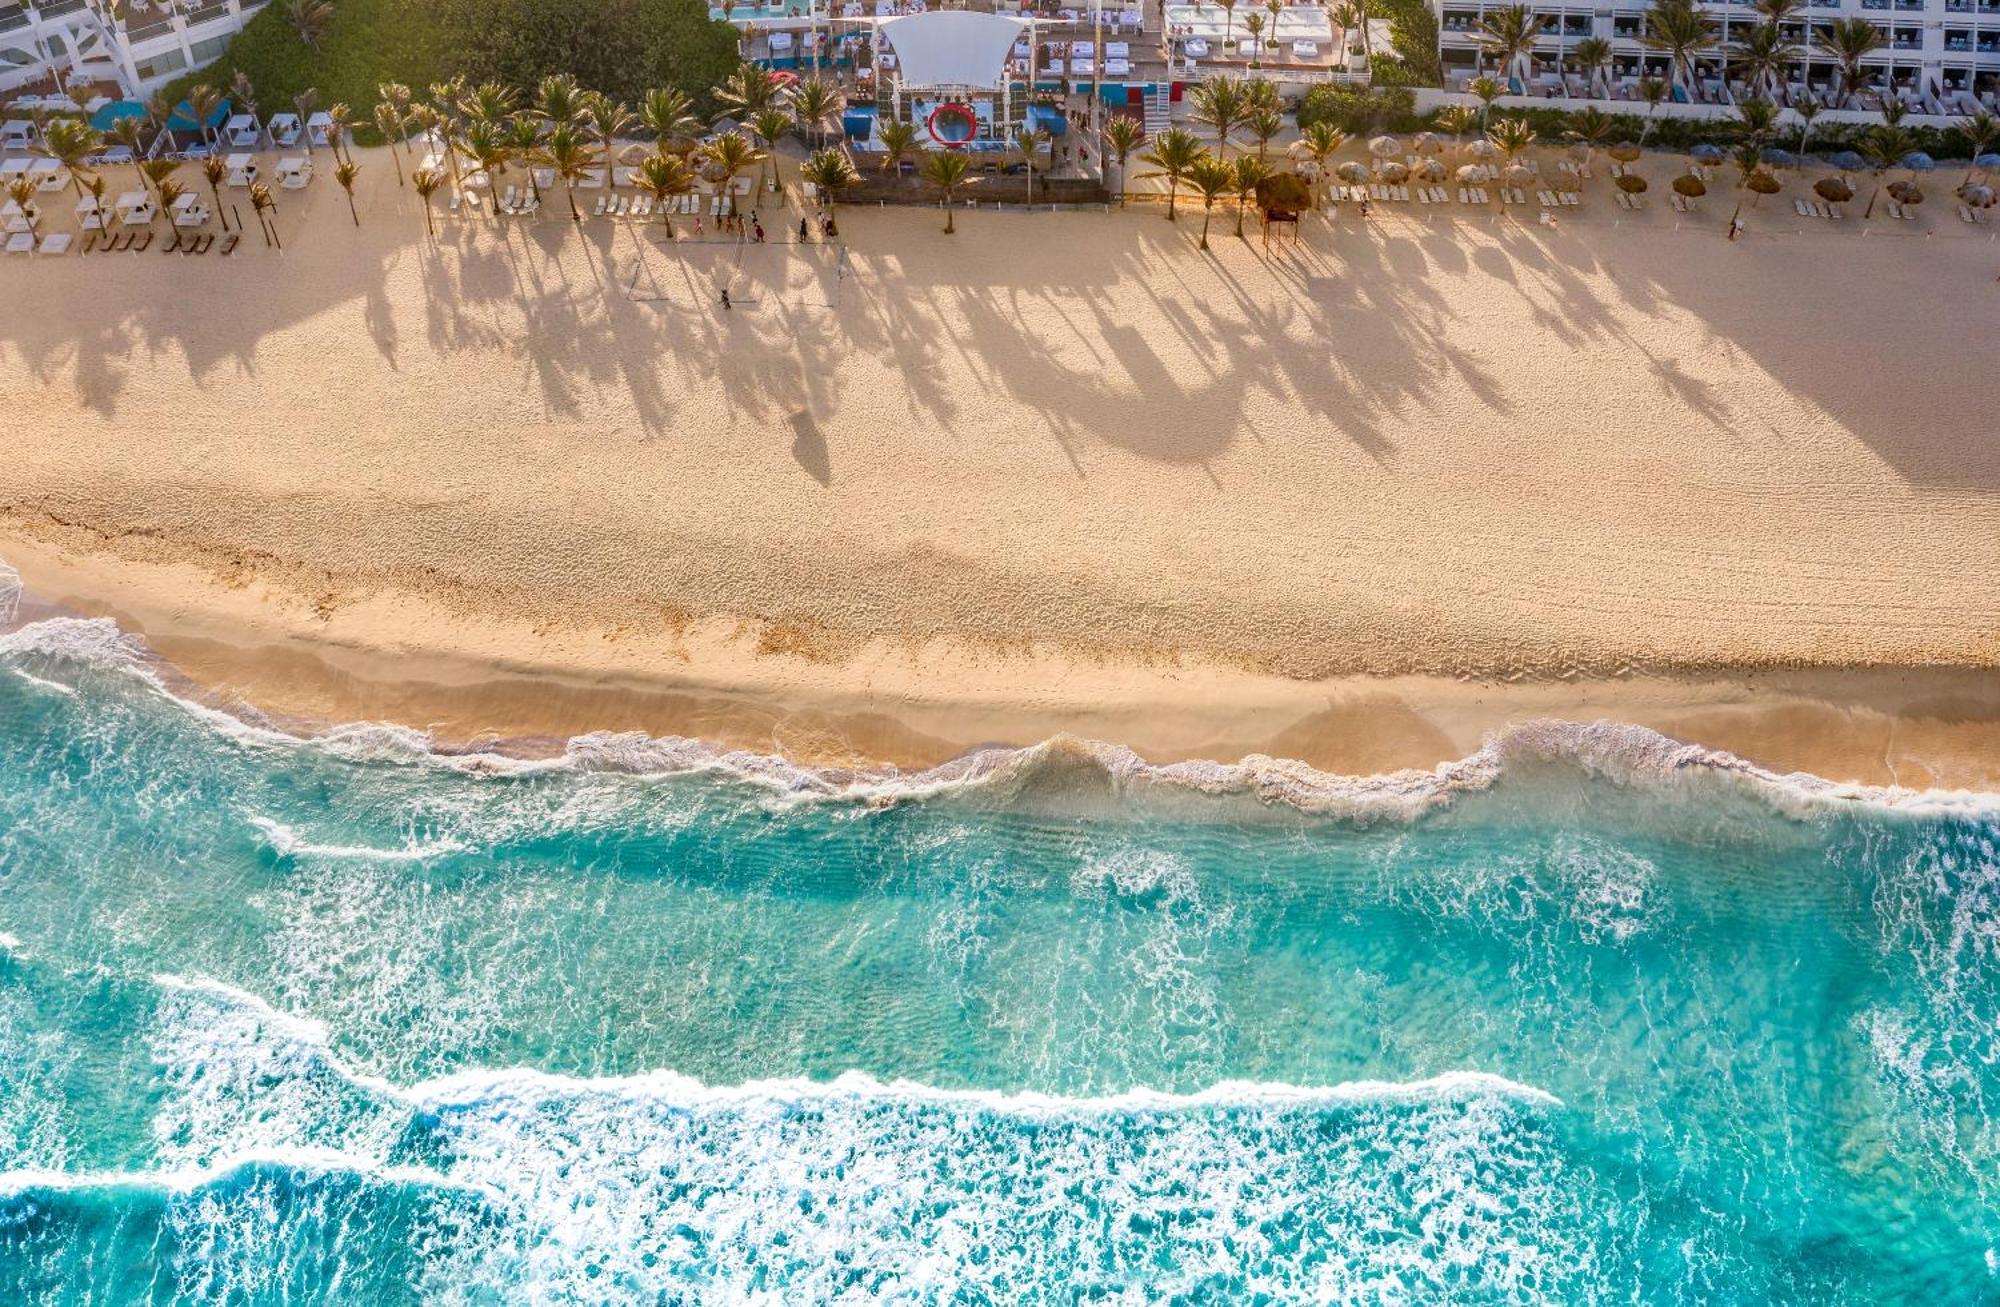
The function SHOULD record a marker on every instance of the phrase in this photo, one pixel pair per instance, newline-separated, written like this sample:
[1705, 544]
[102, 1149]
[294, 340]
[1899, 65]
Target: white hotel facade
[137, 44]
[1946, 53]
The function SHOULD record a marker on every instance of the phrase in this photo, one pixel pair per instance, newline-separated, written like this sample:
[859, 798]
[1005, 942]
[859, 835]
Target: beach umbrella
[1393, 173]
[1427, 143]
[1706, 153]
[1519, 174]
[1481, 149]
[1385, 147]
[1473, 173]
[1906, 193]
[1777, 158]
[1917, 161]
[1762, 183]
[1978, 197]
[1833, 190]
[1623, 151]
[1354, 174]
[1987, 162]
[1690, 185]
[1568, 183]
[1847, 161]
[1430, 170]
[1580, 151]
[1631, 183]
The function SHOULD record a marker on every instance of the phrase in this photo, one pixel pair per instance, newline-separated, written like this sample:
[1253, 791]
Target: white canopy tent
[956, 47]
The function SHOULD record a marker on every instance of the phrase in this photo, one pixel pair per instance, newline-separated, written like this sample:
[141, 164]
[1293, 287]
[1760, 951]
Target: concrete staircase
[1159, 111]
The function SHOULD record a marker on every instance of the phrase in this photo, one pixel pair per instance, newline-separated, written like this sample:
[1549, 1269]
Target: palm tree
[769, 126]
[1221, 103]
[1807, 109]
[390, 124]
[817, 103]
[558, 99]
[1509, 36]
[1762, 58]
[1027, 141]
[130, 133]
[1885, 147]
[1121, 136]
[303, 104]
[214, 171]
[426, 182]
[1487, 90]
[1590, 129]
[831, 171]
[1254, 24]
[1757, 120]
[1679, 29]
[170, 194]
[731, 153]
[491, 102]
[345, 173]
[750, 90]
[159, 172]
[946, 169]
[1320, 142]
[22, 192]
[1979, 132]
[1592, 55]
[338, 118]
[1229, 23]
[664, 176]
[1174, 152]
[1262, 126]
[522, 135]
[1353, 17]
[1512, 137]
[71, 143]
[309, 19]
[244, 93]
[265, 206]
[1211, 179]
[668, 113]
[397, 96]
[1654, 92]
[899, 141]
[1454, 118]
[566, 152]
[1277, 9]
[203, 101]
[1850, 41]
[1250, 169]
[486, 143]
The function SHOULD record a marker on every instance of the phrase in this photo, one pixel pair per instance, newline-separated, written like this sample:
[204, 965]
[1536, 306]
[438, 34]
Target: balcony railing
[207, 13]
[57, 8]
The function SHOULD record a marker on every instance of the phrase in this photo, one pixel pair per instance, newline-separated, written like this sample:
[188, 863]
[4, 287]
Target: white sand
[1049, 464]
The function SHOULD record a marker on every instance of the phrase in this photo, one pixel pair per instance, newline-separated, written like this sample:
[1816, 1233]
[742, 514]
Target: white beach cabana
[16, 134]
[242, 169]
[49, 175]
[294, 172]
[285, 130]
[1203, 27]
[242, 131]
[13, 168]
[190, 210]
[135, 208]
[92, 214]
[319, 129]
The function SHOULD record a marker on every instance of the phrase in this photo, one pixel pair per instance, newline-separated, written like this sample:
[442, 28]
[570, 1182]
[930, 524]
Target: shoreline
[396, 661]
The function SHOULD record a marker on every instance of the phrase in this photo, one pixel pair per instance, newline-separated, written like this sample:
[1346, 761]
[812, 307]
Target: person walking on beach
[725, 297]
[757, 231]
[804, 234]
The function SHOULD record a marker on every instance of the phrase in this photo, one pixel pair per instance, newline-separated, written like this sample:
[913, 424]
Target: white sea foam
[1064, 771]
[288, 843]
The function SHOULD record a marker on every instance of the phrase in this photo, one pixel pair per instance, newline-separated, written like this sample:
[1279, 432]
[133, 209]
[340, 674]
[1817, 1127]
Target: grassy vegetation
[367, 43]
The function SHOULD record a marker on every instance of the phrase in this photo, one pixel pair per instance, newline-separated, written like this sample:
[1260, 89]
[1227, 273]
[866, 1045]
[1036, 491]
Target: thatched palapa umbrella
[1631, 183]
[1385, 147]
[1481, 149]
[1623, 151]
[1976, 196]
[1760, 184]
[1906, 192]
[1473, 174]
[1427, 143]
[1430, 170]
[1833, 190]
[1393, 173]
[1518, 174]
[1354, 174]
[1690, 185]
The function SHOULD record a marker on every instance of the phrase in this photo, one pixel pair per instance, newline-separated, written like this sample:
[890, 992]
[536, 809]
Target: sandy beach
[1358, 501]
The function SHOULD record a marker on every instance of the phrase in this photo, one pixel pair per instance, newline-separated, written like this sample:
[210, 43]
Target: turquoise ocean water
[1590, 1017]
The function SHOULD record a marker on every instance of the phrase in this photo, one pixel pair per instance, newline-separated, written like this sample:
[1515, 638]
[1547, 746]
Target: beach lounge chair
[228, 243]
[21, 242]
[140, 246]
[598, 212]
[1895, 210]
[56, 244]
[174, 248]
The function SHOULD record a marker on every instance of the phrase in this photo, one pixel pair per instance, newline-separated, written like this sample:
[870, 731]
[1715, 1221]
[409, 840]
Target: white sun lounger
[56, 244]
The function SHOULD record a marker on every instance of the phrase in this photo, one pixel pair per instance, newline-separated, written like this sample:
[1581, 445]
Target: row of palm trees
[1762, 58]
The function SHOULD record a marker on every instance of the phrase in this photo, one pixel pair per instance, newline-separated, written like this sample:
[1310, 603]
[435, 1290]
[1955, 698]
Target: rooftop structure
[139, 45]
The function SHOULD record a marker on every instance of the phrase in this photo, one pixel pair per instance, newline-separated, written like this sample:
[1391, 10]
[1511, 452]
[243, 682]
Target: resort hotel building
[117, 49]
[1941, 56]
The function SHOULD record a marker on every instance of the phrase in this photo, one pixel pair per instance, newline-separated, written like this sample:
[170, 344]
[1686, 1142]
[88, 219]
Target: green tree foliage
[620, 47]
